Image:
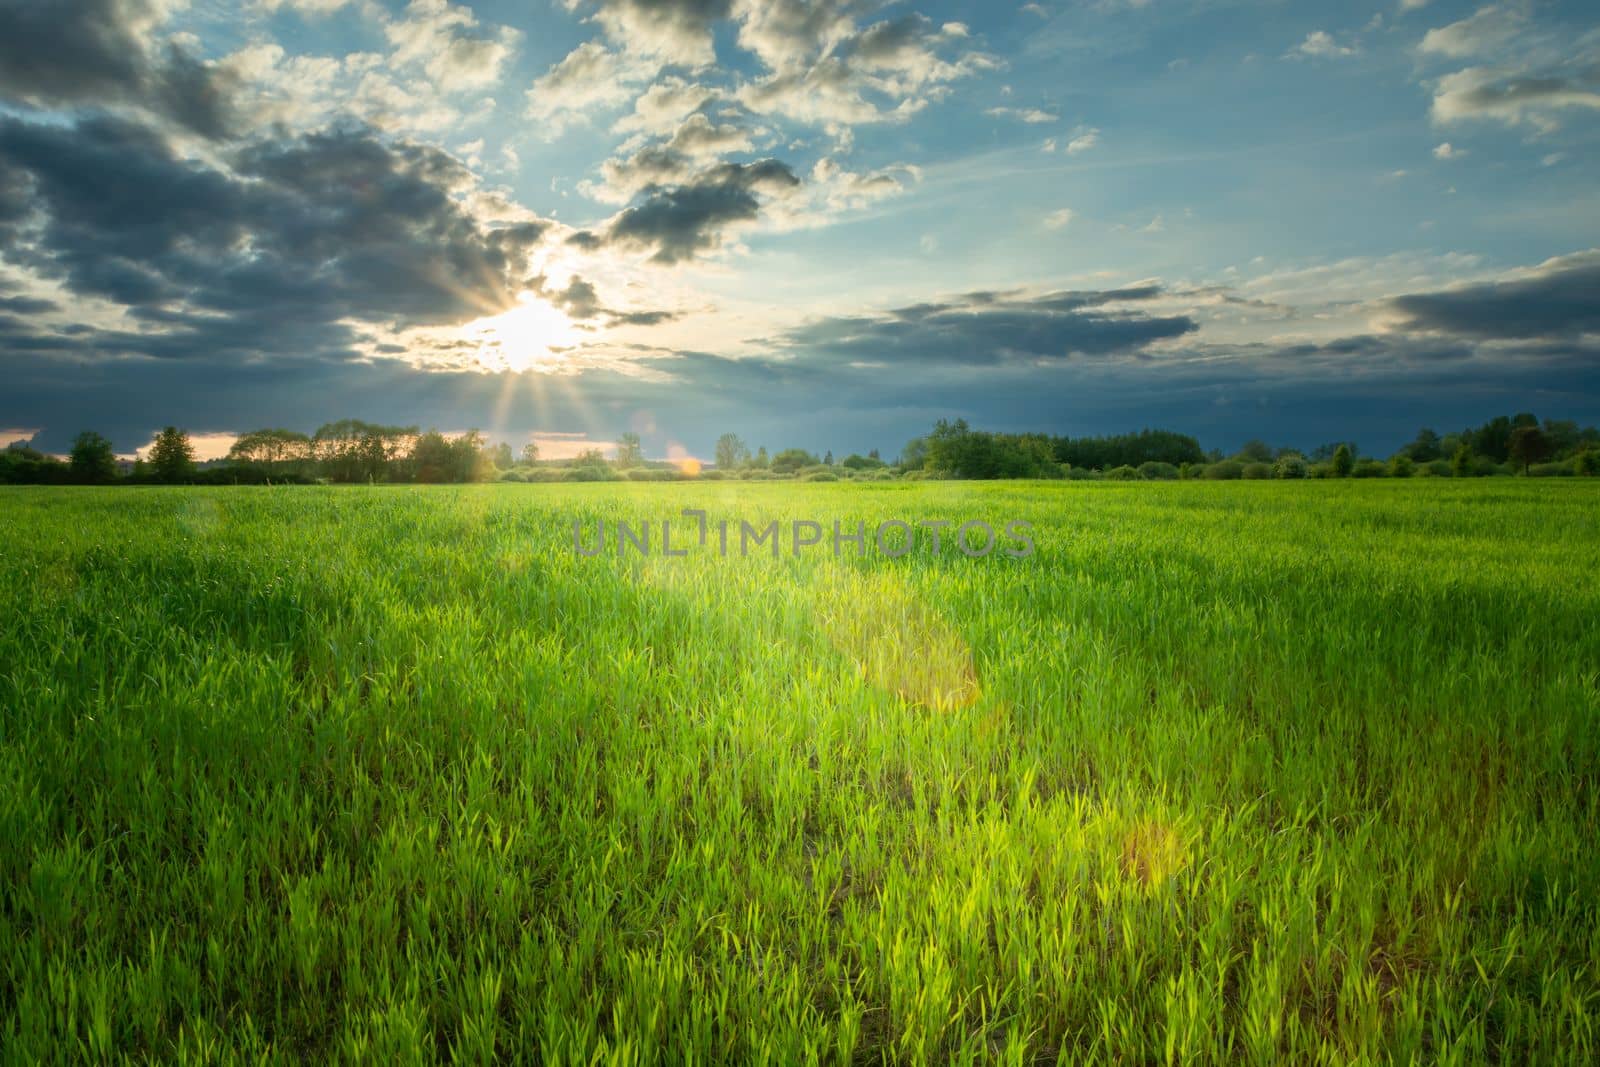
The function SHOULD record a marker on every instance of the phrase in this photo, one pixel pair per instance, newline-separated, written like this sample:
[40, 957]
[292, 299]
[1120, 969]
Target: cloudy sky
[822, 223]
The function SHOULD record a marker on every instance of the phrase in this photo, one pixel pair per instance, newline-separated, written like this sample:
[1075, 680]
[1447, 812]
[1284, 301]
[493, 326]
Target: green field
[1225, 772]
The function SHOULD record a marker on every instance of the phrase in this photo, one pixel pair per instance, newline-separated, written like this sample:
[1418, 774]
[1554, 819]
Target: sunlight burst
[533, 335]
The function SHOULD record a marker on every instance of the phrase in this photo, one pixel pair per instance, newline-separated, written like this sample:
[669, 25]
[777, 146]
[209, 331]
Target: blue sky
[813, 223]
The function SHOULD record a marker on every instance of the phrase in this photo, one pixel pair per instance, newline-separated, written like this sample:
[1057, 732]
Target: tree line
[353, 451]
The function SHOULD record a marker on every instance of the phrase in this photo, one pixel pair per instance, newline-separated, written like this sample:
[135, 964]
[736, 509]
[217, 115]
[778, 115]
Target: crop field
[1221, 772]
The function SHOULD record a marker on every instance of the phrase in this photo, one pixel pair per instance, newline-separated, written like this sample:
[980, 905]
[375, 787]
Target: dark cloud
[303, 237]
[678, 222]
[74, 53]
[986, 328]
[1561, 299]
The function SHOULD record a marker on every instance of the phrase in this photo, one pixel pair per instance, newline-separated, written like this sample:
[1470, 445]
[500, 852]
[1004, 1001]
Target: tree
[92, 458]
[827, 460]
[761, 462]
[1290, 465]
[1426, 448]
[874, 455]
[502, 456]
[530, 453]
[1528, 445]
[914, 454]
[172, 456]
[1461, 462]
[1343, 462]
[1401, 466]
[270, 447]
[1255, 452]
[792, 459]
[731, 452]
[630, 453]
[1586, 463]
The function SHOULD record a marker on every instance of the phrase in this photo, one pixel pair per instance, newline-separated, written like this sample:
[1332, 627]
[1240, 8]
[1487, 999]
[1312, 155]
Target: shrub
[511, 476]
[819, 476]
[1550, 470]
[653, 474]
[1586, 463]
[1156, 471]
[1078, 474]
[1439, 468]
[1123, 474]
[1368, 468]
[1401, 465]
[590, 474]
[1228, 470]
[1257, 470]
[712, 476]
[1343, 462]
[1290, 465]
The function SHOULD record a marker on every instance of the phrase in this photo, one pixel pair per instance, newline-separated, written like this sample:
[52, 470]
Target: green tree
[270, 448]
[1290, 465]
[761, 462]
[92, 459]
[172, 456]
[1401, 466]
[914, 454]
[1461, 462]
[731, 452]
[792, 459]
[1426, 448]
[1343, 462]
[827, 460]
[630, 453]
[502, 456]
[1586, 463]
[1528, 445]
[1254, 452]
[530, 453]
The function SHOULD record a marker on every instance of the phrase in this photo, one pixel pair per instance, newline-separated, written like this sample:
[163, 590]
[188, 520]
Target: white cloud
[446, 41]
[1320, 45]
[591, 78]
[1484, 31]
[1447, 150]
[1030, 115]
[1083, 141]
[1058, 220]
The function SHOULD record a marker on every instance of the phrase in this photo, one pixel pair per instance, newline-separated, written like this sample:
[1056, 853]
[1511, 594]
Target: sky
[814, 223]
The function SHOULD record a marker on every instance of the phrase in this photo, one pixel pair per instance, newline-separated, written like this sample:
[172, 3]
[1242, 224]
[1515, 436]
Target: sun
[530, 336]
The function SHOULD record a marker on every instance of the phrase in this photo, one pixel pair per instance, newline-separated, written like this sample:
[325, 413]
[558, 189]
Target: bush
[1586, 463]
[1228, 470]
[590, 474]
[1401, 465]
[1368, 468]
[1550, 470]
[1078, 474]
[756, 474]
[819, 476]
[712, 476]
[1156, 471]
[1439, 468]
[1290, 465]
[653, 474]
[1257, 470]
[1123, 474]
[512, 476]
[1320, 470]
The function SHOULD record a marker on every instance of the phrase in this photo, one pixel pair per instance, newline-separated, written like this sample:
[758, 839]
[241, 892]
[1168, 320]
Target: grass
[1224, 773]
